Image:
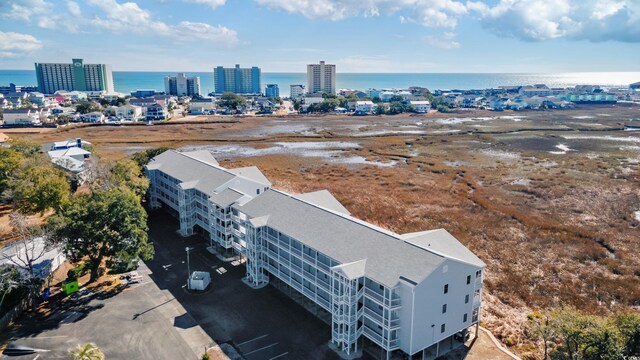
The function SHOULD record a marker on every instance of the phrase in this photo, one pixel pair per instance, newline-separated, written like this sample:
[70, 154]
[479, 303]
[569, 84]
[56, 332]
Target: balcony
[374, 295]
[374, 316]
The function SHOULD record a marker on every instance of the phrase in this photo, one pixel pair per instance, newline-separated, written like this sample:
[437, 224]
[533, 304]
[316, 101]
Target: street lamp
[187, 249]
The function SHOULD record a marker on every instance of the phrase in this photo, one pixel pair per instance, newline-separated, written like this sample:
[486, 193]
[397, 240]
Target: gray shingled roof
[441, 241]
[187, 169]
[343, 238]
[324, 199]
[253, 173]
[226, 197]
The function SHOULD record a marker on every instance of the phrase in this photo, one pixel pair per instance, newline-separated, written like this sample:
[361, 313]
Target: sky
[394, 36]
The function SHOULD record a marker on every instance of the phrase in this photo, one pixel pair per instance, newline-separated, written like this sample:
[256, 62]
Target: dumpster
[199, 280]
[70, 286]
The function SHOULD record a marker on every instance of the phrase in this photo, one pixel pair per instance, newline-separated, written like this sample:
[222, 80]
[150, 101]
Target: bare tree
[26, 252]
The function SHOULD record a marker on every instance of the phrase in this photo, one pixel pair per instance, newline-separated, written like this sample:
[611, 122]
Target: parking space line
[279, 356]
[262, 348]
[248, 341]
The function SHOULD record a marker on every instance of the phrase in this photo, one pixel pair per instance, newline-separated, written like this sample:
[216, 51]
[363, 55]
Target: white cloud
[24, 10]
[14, 44]
[444, 41]
[536, 20]
[430, 13]
[214, 4]
[201, 31]
[129, 17]
[74, 8]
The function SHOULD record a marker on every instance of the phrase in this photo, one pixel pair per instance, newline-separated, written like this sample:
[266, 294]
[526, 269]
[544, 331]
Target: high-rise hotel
[237, 80]
[75, 76]
[321, 78]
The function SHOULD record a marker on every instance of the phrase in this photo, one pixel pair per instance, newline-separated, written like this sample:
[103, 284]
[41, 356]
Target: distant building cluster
[79, 92]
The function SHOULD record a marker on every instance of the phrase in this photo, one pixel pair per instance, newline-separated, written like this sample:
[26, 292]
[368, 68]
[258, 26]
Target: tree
[10, 281]
[102, 224]
[542, 327]
[25, 147]
[87, 107]
[296, 105]
[142, 158]
[232, 101]
[9, 162]
[30, 247]
[602, 342]
[38, 188]
[126, 173]
[380, 109]
[629, 327]
[87, 352]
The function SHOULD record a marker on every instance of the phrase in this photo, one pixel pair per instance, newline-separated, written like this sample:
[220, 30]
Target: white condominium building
[321, 78]
[296, 92]
[182, 85]
[408, 294]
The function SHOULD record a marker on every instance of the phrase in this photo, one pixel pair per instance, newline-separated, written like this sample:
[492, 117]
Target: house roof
[19, 111]
[344, 238]
[325, 199]
[72, 151]
[201, 171]
[252, 173]
[441, 241]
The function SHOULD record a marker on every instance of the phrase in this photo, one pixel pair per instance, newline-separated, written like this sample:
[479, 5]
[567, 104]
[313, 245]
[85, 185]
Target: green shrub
[78, 271]
[205, 356]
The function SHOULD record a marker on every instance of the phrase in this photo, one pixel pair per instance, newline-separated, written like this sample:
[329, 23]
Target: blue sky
[357, 35]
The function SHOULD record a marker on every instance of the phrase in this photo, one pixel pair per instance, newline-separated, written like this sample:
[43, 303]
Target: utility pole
[187, 249]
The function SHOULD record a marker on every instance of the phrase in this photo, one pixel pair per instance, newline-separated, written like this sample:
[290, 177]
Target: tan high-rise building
[321, 78]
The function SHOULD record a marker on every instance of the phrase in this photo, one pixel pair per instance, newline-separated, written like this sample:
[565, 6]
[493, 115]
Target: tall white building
[182, 85]
[321, 78]
[397, 293]
[296, 92]
[76, 76]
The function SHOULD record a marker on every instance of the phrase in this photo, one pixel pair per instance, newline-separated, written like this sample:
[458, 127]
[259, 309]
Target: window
[464, 317]
[466, 299]
[257, 191]
[442, 328]
[478, 273]
[444, 308]
[446, 288]
[468, 279]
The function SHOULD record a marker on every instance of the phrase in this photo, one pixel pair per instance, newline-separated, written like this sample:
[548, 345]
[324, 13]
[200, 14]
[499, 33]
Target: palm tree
[87, 352]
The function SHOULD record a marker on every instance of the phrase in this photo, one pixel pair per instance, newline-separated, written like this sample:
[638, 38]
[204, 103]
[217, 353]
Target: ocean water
[127, 81]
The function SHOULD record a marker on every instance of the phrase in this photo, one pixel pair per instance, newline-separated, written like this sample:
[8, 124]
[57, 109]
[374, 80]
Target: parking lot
[259, 324]
[139, 322]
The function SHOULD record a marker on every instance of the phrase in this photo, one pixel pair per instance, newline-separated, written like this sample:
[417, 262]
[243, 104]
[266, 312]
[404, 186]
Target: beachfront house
[92, 117]
[156, 112]
[204, 105]
[128, 112]
[421, 107]
[365, 107]
[22, 117]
